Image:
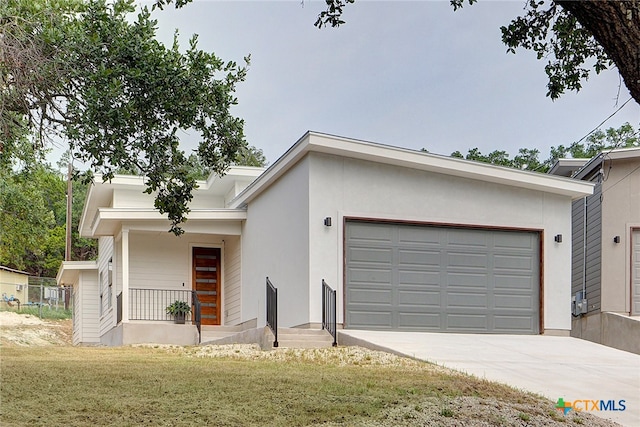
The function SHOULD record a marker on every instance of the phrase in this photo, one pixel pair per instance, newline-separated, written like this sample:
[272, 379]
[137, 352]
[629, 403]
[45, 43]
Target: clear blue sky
[410, 74]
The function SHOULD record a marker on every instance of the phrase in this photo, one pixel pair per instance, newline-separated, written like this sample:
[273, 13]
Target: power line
[604, 121]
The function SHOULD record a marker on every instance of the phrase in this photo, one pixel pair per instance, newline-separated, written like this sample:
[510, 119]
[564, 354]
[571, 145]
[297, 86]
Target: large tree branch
[615, 25]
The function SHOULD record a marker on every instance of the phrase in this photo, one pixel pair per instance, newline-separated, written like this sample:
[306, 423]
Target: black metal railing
[272, 310]
[197, 314]
[151, 304]
[329, 311]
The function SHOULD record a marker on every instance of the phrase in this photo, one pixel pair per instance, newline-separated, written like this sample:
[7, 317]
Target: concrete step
[303, 338]
[215, 335]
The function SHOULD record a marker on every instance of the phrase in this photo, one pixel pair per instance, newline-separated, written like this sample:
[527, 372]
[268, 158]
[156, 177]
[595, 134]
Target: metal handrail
[151, 304]
[329, 311]
[272, 310]
[197, 314]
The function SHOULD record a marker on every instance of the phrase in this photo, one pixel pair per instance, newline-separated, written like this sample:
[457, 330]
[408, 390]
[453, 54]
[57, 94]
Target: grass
[130, 386]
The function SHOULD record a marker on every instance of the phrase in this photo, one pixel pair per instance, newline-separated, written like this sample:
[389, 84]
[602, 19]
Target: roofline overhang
[379, 153]
[69, 270]
[108, 217]
[13, 270]
[96, 190]
[615, 154]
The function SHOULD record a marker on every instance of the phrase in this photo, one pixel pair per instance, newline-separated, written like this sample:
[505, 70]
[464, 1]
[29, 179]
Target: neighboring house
[410, 241]
[606, 248]
[13, 286]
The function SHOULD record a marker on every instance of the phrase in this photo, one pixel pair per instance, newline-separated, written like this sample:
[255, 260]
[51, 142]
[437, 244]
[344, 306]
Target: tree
[33, 218]
[623, 137]
[575, 36]
[251, 156]
[89, 73]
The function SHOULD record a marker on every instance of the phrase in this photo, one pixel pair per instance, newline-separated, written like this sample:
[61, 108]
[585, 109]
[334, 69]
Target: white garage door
[441, 279]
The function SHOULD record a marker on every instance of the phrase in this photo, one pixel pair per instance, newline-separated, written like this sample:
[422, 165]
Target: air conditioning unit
[579, 304]
[19, 287]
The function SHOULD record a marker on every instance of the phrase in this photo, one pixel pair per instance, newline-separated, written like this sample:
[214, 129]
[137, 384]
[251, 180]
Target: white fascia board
[106, 216]
[321, 143]
[68, 271]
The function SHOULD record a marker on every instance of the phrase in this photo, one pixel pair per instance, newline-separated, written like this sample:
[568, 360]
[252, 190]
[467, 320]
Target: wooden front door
[206, 282]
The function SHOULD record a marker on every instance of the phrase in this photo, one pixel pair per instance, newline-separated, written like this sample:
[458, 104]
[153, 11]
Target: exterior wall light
[558, 238]
[327, 221]
[616, 239]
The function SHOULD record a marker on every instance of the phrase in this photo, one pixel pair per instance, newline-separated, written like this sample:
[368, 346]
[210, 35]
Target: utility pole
[67, 249]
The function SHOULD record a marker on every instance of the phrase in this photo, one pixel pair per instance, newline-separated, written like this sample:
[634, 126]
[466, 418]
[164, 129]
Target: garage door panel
[442, 279]
[370, 319]
[514, 241]
[468, 280]
[512, 324]
[513, 282]
[370, 297]
[465, 322]
[419, 278]
[371, 255]
[524, 302]
[419, 298]
[421, 236]
[466, 261]
[408, 257]
[370, 233]
[370, 275]
[514, 262]
[419, 321]
[466, 238]
[466, 300]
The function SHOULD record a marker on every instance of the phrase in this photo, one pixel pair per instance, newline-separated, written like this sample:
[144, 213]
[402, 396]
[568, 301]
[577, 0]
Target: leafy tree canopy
[89, 72]
[574, 37]
[33, 218]
[623, 137]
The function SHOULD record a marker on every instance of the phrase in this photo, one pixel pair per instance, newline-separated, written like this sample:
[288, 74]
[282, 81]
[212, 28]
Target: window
[110, 284]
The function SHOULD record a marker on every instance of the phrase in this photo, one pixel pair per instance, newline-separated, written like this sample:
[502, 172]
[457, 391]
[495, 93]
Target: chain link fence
[40, 297]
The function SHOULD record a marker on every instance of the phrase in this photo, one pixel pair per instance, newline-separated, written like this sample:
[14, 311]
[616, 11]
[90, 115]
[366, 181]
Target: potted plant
[179, 310]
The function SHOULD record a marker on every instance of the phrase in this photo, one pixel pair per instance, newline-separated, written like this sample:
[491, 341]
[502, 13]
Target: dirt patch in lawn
[24, 330]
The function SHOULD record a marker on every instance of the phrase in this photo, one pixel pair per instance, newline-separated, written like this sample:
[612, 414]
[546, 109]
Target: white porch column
[125, 275]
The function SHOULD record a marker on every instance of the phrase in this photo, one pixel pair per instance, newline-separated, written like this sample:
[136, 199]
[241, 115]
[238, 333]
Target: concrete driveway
[555, 367]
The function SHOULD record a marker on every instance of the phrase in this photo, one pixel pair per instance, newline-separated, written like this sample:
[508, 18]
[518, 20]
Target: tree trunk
[615, 25]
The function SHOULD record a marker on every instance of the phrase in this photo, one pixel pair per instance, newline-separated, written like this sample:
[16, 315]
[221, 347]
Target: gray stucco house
[605, 276]
[408, 240]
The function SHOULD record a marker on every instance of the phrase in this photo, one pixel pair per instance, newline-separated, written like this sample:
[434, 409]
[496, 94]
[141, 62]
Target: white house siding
[105, 253]
[275, 243]
[232, 281]
[342, 187]
[160, 260]
[86, 320]
[135, 198]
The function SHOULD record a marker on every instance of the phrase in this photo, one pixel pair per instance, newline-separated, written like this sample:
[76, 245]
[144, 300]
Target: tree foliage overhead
[575, 37]
[90, 73]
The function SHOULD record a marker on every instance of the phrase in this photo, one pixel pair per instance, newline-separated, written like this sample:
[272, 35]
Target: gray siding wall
[593, 248]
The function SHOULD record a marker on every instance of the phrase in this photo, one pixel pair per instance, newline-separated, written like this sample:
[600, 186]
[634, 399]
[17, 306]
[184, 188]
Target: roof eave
[322, 143]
